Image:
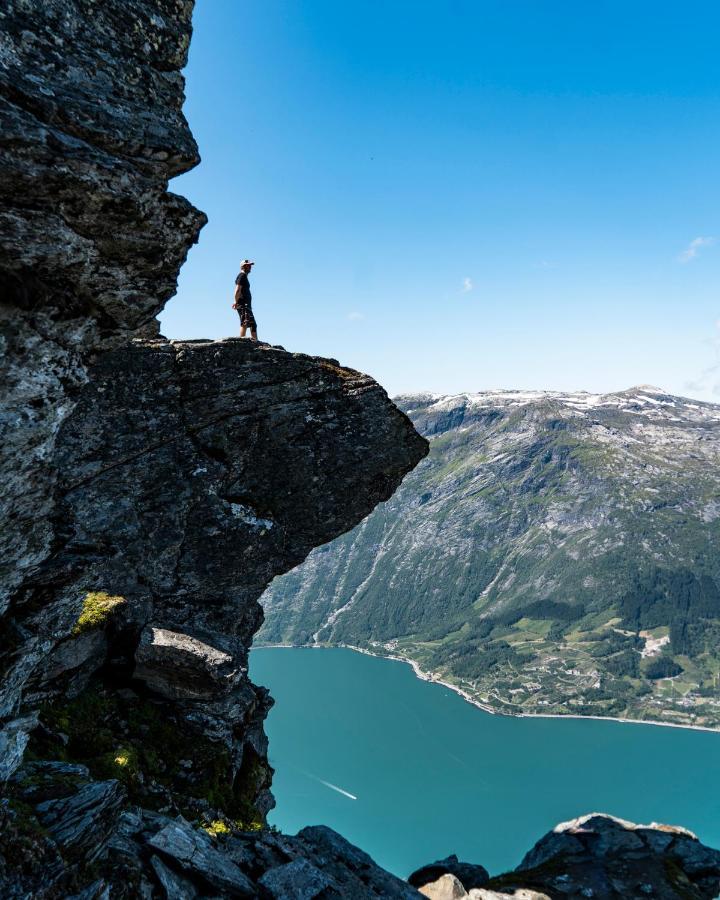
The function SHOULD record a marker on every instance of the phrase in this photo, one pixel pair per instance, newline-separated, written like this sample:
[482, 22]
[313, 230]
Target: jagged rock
[14, 738]
[78, 655]
[98, 890]
[182, 667]
[353, 872]
[81, 824]
[446, 887]
[469, 874]
[184, 514]
[92, 129]
[196, 854]
[29, 859]
[297, 880]
[175, 886]
[179, 478]
[601, 856]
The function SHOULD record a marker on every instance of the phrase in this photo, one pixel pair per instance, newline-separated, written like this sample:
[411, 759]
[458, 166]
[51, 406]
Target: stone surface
[470, 875]
[228, 462]
[176, 478]
[601, 856]
[297, 880]
[182, 667]
[82, 823]
[175, 886]
[353, 871]
[196, 854]
[91, 240]
[520, 894]
[446, 887]
[14, 738]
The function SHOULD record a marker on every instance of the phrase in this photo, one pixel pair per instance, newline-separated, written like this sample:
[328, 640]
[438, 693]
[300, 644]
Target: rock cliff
[151, 489]
[91, 240]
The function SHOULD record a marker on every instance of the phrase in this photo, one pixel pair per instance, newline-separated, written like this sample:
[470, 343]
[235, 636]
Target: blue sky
[462, 196]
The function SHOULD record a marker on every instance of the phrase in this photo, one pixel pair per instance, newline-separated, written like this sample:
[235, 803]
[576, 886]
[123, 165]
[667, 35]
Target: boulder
[353, 872]
[197, 856]
[14, 738]
[471, 875]
[182, 667]
[82, 823]
[447, 887]
[297, 880]
[599, 855]
[175, 886]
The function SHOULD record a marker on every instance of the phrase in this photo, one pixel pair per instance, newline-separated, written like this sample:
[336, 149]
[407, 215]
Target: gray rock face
[226, 464]
[470, 875]
[14, 739]
[195, 853]
[92, 129]
[297, 880]
[151, 489]
[81, 824]
[182, 667]
[602, 856]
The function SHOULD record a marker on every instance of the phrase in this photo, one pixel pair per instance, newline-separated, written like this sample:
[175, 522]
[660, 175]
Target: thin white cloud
[467, 285]
[694, 248]
[355, 316]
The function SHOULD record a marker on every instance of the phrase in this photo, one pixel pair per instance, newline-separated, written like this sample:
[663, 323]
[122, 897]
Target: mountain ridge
[578, 510]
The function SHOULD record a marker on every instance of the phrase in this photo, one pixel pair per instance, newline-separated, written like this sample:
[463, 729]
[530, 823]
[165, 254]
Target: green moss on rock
[97, 609]
[159, 760]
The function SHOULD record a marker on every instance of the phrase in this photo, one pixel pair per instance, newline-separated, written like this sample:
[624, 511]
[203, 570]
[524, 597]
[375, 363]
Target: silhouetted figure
[243, 301]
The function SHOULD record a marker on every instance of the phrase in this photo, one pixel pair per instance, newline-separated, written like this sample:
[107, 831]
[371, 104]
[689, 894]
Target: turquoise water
[434, 775]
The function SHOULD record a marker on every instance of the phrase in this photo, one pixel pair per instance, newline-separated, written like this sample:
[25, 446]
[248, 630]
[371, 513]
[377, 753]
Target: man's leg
[243, 330]
[253, 334]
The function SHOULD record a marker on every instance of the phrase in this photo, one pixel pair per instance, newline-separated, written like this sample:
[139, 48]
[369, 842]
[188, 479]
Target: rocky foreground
[152, 490]
[593, 856]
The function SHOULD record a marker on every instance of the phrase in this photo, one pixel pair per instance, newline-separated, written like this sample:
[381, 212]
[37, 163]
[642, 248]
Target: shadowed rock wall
[90, 239]
[151, 490]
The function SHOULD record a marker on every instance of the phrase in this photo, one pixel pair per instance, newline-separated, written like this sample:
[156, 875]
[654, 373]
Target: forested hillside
[554, 553]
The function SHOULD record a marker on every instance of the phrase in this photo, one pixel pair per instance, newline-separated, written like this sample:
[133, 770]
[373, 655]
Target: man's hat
[247, 262]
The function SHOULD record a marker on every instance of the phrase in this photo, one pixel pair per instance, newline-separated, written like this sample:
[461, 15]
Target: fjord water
[410, 772]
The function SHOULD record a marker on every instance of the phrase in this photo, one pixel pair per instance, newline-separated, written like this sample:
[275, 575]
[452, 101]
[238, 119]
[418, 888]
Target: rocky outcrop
[189, 474]
[90, 239]
[151, 489]
[598, 856]
[470, 875]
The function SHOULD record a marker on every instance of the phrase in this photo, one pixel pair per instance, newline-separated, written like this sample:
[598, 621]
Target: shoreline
[433, 678]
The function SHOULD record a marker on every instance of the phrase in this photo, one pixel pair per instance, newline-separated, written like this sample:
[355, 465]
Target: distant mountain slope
[554, 553]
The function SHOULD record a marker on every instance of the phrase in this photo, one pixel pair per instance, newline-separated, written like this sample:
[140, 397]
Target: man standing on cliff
[243, 301]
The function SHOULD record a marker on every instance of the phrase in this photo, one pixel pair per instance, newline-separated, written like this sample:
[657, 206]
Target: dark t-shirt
[245, 295]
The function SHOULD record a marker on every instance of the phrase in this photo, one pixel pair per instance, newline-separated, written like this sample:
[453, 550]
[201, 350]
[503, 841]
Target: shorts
[247, 319]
